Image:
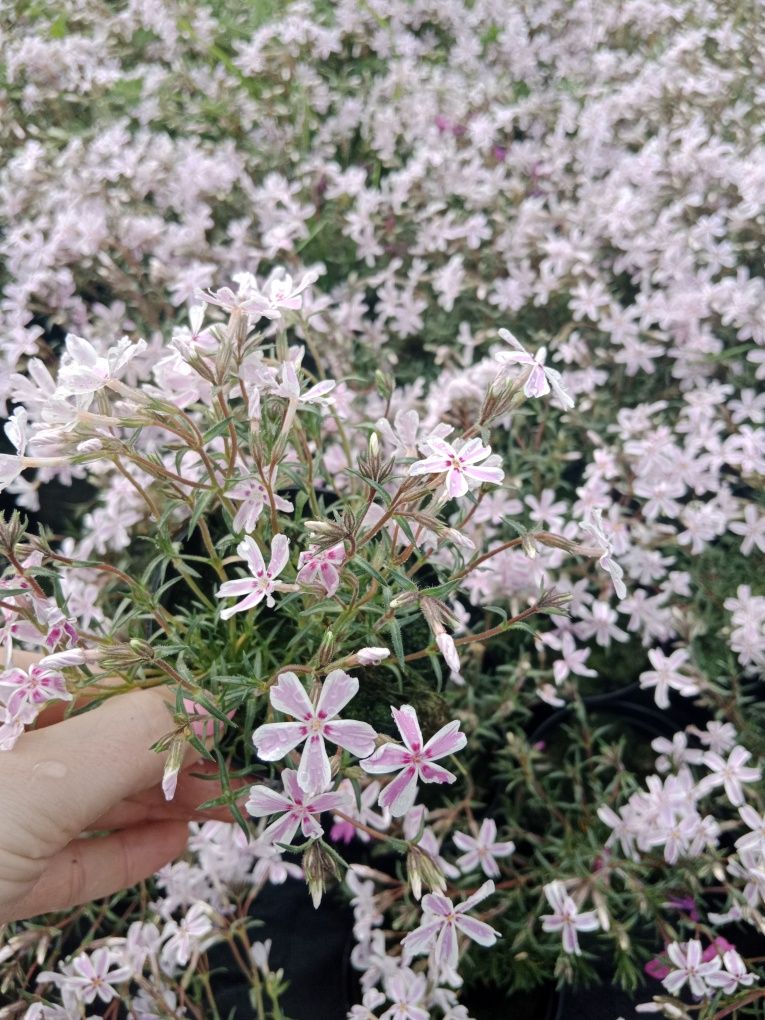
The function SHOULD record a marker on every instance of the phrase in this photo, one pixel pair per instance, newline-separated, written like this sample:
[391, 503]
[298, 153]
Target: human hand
[92, 771]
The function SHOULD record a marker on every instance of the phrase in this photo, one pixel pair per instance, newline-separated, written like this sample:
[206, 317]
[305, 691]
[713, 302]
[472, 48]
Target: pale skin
[92, 772]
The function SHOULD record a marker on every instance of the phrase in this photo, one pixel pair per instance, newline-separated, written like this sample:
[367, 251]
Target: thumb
[74, 771]
[89, 869]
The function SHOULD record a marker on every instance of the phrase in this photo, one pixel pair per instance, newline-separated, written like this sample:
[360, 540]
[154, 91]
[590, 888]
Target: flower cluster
[369, 338]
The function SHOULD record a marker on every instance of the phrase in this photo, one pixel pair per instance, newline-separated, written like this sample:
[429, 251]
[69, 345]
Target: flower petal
[336, 691]
[430, 773]
[387, 758]
[478, 931]
[408, 726]
[446, 741]
[400, 793]
[289, 696]
[273, 740]
[264, 801]
[314, 772]
[249, 551]
[356, 737]
[280, 554]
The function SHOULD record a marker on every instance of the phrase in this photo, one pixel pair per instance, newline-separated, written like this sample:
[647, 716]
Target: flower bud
[327, 648]
[318, 866]
[370, 656]
[421, 870]
[172, 767]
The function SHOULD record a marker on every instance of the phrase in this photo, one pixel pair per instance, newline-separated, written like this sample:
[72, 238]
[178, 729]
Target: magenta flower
[460, 465]
[315, 725]
[297, 809]
[442, 920]
[566, 917]
[414, 760]
[482, 850]
[263, 581]
[320, 564]
[539, 379]
[19, 688]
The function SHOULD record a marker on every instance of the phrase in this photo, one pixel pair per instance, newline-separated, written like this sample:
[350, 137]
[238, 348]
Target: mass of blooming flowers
[404, 365]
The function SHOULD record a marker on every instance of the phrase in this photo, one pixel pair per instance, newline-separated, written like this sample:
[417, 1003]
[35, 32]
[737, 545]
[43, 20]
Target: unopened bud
[527, 544]
[327, 648]
[318, 866]
[12, 531]
[384, 384]
[172, 767]
[421, 871]
[142, 648]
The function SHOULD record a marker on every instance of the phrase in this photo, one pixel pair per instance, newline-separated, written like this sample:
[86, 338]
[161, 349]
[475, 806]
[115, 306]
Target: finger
[54, 712]
[150, 805]
[77, 770]
[89, 869]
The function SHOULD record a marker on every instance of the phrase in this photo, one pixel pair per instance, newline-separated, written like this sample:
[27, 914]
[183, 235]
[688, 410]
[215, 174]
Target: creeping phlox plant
[493, 630]
[304, 575]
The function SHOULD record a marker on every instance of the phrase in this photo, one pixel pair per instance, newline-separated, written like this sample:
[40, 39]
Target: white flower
[539, 379]
[83, 370]
[566, 917]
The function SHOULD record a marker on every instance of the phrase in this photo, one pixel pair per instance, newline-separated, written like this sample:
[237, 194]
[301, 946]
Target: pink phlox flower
[12, 725]
[296, 808]
[730, 774]
[755, 840]
[253, 496]
[263, 581]
[539, 379]
[246, 298]
[11, 465]
[323, 564]
[461, 464]
[572, 659]
[315, 725]
[441, 923]
[688, 966]
[414, 761]
[593, 528]
[270, 866]
[361, 810]
[407, 991]
[289, 388]
[90, 976]
[566, 917]
[281, 293]
[735, 972]
[483, 850]
[83, 370]
[34, 687]
[666, 674]
[186, 936]
[675, 753]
